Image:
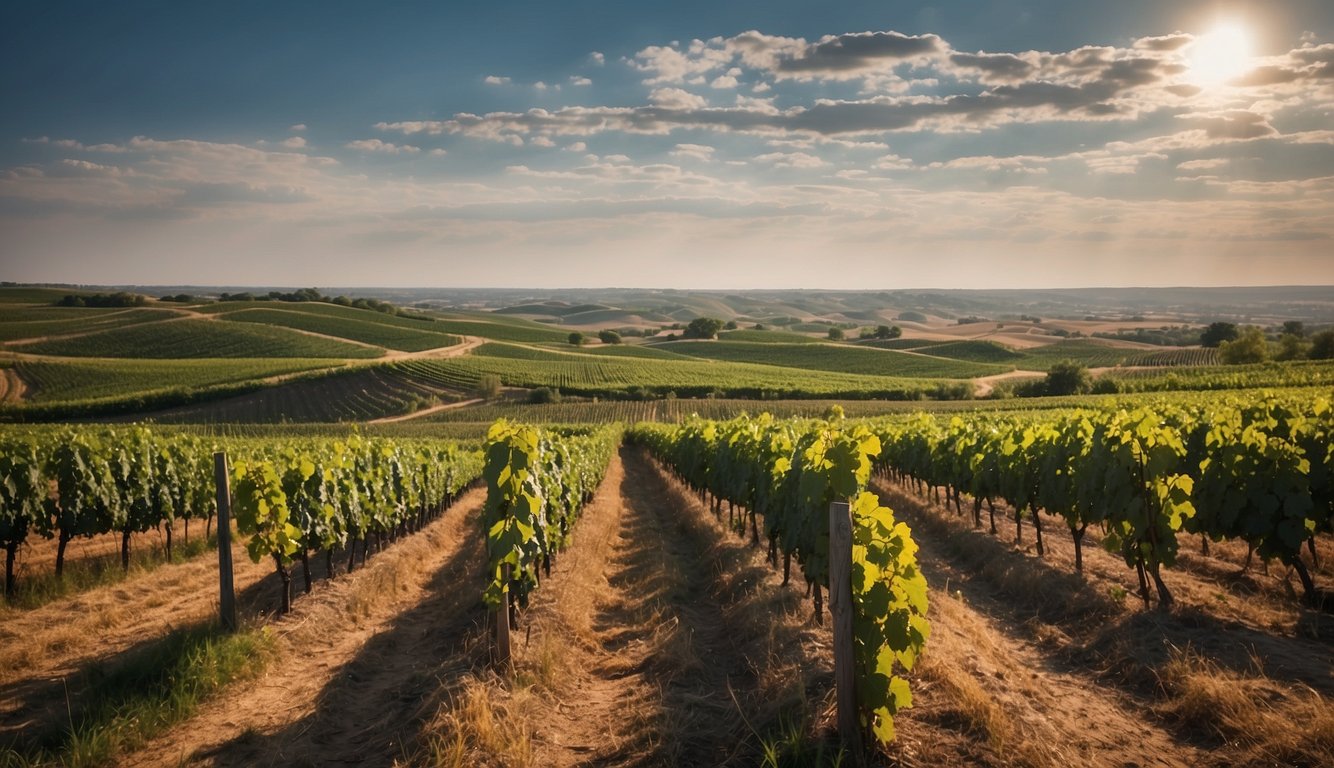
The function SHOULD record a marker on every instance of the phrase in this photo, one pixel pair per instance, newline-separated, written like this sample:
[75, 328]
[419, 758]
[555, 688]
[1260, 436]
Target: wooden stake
[503, 660]
[840, 606]
[226, 592]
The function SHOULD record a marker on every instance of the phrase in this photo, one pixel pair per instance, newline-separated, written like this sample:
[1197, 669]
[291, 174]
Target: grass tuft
[116, 708]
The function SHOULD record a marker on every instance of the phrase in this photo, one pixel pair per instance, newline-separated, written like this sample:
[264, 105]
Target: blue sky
[688, 144]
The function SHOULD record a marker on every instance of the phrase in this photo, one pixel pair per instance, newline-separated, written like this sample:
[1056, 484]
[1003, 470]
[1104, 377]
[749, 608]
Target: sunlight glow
[1219, 55]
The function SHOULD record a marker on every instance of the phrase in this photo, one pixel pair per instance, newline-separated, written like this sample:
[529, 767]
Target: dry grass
[485, 723]
[1263, 722]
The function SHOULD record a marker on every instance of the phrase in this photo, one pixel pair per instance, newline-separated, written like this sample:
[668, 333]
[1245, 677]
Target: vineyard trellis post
[840, 607]
[502, 646]
[226, 591]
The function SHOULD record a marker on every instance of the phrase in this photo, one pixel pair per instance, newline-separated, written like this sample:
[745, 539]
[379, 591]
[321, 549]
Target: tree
[1322, 346]
[703, 328]
[1295, 327]
[888, 331]
[731, 326]
[835, 334]
[1291, 347]
[1249, 347]
[1068, 378]
[576, 338]
[544, 395]
[608, 336]
[1217, 333]
[488, 386]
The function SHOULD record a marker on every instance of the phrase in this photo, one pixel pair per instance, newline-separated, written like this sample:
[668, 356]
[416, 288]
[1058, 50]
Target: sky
[730, 145]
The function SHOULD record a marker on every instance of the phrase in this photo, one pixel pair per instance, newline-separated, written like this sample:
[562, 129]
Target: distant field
[56, 321]
[25, 295]
[973, 351]
[837, 358]
[1088, 353]
[646, 351]
[366, 329]
[94, 379]
[900, 343]
[767, 337]
[1186, 357]
[1215, 377]
[358, 395]
[612, 376]
[197, 339]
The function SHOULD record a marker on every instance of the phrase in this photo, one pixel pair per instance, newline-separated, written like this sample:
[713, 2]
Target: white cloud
[676, 98]
[698, 152]
[382, 147]
[724, 81]
[496, 80]
[577, 80]
[577, 146]
[791, 160]
[294, 142]
[597, 58]
[297, 127]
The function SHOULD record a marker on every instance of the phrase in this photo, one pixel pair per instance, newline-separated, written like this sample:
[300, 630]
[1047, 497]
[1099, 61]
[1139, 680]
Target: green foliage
[1229, 468]
[835, 334]
[575, 338]
[103, 300]
[1068, 378]
[1322, 346]
[1249, 347]
[889, 625]
[788, 473]
[488, 386]
[608, 336]
[288, 496]
[703, 328]
[538, 481]
[1217, 333]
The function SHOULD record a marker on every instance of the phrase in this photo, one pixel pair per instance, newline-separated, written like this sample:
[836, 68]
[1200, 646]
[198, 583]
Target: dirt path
[12, 386]
[425, 412]
[983, 385]
[354, 661]
[673, 636]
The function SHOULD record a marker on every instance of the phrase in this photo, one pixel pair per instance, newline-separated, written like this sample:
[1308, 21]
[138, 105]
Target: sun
[1219, 55]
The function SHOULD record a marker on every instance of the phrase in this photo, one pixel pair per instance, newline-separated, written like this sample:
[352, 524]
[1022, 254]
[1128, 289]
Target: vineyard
[74, 380]
[831, 357]
[356, 395]
[409, 339]
[610, 377]
[198, 339]
[645, 564]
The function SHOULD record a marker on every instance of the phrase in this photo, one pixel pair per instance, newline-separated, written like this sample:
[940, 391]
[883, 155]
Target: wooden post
[840, 606]
[226, 592]
[503, 623]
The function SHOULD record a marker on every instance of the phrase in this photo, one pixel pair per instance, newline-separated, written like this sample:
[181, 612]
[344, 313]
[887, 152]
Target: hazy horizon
[753, 145]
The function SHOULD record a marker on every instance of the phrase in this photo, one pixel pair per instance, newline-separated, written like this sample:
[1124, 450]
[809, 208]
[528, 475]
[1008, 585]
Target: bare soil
[353, 660]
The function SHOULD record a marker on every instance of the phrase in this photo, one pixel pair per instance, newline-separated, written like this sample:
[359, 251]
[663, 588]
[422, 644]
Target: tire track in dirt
[353, 662]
